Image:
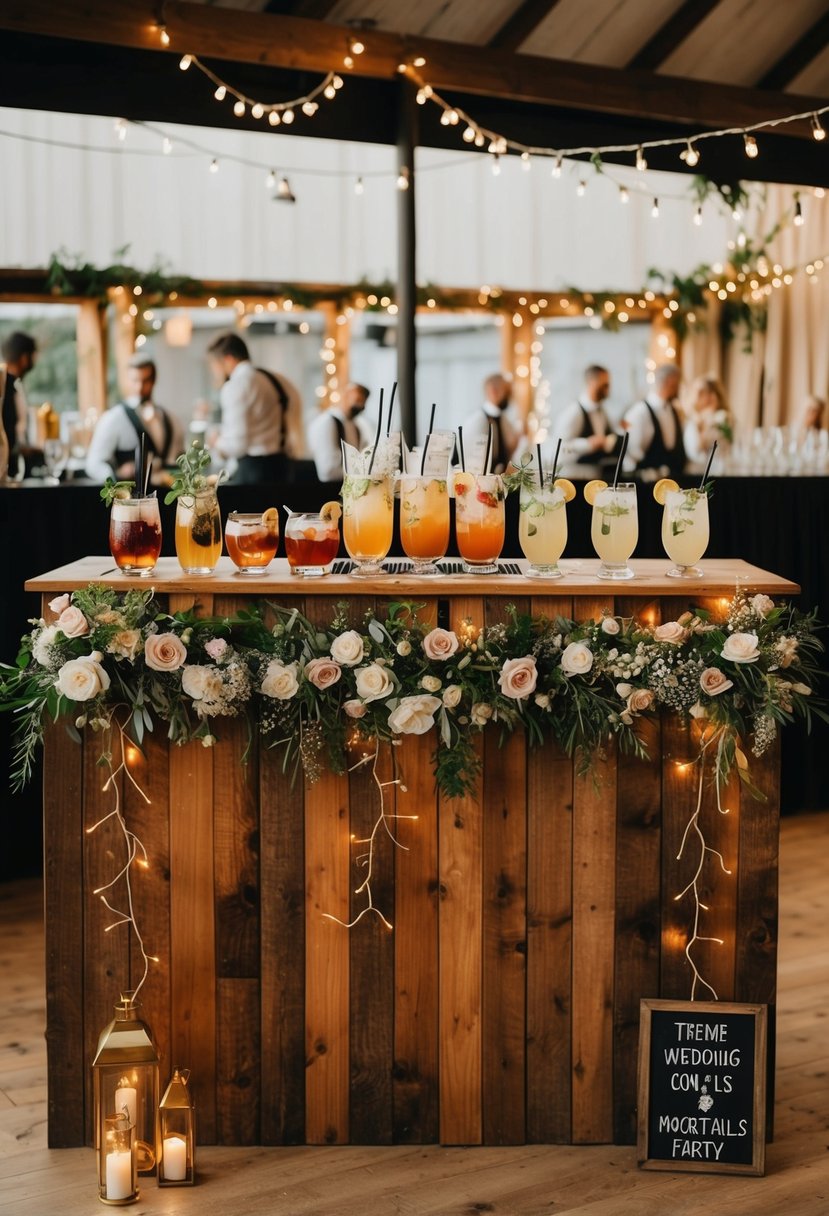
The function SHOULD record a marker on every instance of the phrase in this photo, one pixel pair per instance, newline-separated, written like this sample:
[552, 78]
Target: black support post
[406, 280]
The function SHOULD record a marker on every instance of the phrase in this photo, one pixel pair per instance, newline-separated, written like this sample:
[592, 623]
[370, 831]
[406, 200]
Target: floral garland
[312, 691]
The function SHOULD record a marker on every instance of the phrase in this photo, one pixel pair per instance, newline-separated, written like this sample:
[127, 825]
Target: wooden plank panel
[66, 899]
[460, 944]
[678, 802]
[549, 931]
[504, 890]
[594, 897]
[238, 1072]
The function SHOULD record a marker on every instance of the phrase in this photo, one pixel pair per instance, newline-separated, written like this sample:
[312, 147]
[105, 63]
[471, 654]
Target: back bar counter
[503, 1008]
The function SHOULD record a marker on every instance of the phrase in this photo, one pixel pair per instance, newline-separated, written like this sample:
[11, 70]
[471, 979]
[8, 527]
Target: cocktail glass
[424, 521]
[542, 526]
[251, 541]
[479, 521]
[311, 544]
[615, 529]
[685, 531]
[198, 532]
[56, 456]
[368, 515]
[135, 534]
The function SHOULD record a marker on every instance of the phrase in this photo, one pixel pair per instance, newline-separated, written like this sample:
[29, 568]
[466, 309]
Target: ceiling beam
[668, 37]
[315, 46]
[798, 57]
[317, 10]
[520, 24]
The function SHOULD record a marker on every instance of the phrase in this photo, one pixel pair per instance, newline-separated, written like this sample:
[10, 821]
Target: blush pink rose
[322, 673]
[355, 709]
[216, 647]
[440, 644]
[164, 652]
[713, 682]
[72, 623]
[518, 678]
[671, 632]
[58, 604]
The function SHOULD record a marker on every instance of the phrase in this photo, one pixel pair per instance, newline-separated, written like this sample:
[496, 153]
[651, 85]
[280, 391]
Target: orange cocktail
[424, 521]
[479, 520]
[311, 544]
[252, 540]
[368, 515]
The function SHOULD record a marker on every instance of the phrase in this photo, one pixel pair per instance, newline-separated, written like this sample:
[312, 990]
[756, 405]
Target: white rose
[125, 643]
[72, 623]
[542, 700]
[761, 604]
[201, 683]
[82, 679]
[208, 740]
[624, 690]
[403, 648]
[713, 682]
[640, 700]
[481, 713]
[741, 648]
[518, 678]
[348, 649]
[322, 673]
[217, 648]
[414, 715]
[610, 625]
[576, 659]
[430, 683]
[803, 689]
[58, 604]
[671, 632]
[355, 709]
[164, 652]
[280, 681]
[440, 644]
[452, 696]
[373, 682]
[42, 645]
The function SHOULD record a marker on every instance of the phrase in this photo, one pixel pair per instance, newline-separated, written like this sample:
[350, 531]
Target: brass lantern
[125, 1075]
[177, 1133]
[117, 1173]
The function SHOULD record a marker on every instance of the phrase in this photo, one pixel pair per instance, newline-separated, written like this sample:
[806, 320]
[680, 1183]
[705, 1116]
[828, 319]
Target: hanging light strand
[276, 112]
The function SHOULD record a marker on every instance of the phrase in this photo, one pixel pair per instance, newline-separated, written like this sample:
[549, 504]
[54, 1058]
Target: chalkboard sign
[702, 1086]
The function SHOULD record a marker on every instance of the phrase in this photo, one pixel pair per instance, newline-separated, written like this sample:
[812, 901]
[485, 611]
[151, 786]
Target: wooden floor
[601, 1181]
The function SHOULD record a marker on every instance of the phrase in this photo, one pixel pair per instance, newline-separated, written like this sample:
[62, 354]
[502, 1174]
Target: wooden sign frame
[758, 1110]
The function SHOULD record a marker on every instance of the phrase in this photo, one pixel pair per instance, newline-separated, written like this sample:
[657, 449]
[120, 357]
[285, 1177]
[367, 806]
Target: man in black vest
[585, 432]
[119, 430]
[19, 353]
[655, 426]
[339, 422]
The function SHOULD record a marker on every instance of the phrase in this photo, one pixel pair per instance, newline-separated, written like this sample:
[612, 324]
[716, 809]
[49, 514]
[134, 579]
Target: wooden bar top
[721, 577]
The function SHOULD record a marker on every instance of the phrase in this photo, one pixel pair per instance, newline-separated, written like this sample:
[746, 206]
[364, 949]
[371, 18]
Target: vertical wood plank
[66, 897]
[678, 802]
[460, 945]
[594, 899]
[504, 887]
[549, 931]
[238, 1076]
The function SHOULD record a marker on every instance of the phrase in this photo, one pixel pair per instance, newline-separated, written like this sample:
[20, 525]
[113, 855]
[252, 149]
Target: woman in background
[709, 419]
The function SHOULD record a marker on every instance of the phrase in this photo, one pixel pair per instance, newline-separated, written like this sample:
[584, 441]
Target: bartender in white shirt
[583, 427]
[119, 430]
[655, 426]
[339, 422]
[506, 432]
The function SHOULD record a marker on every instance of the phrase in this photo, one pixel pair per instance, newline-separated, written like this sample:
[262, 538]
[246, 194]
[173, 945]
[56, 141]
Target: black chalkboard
[702, 1086]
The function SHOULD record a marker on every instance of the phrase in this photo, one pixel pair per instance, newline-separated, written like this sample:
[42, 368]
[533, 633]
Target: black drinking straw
[555, 458]
[377, 436]
[622, 451]
[148, 469]
[488, 449]
[428, 437]
[139, 467]
[540, 466]
[391, 407]
[460, 448]
[708, 466]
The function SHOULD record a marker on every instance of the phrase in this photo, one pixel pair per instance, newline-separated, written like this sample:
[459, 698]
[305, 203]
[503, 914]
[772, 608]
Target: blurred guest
[19, 352]
[709, 419]
[261, 424]
[506, 429]
[583, 427]
[811, 418]
[655, 427]
[120, 429]
[339, 422]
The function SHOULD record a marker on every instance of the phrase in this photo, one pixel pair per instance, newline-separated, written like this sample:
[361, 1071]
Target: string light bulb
[655, 209]
[526, 162]
[284, 193]
[274, 118]
[163, 35]
[239, 108]
[221, 93]
[355, 46]
[185, 62]
[556, 170]
[496, 164]
[288, 116]
[403, 178]
[581, 189]
[819, 192]
[120, 127]
[270, 180]
[818, 129]
[469, 135]
[330, 92]
[624, 194]
[752, 150]
[214, 165]
[698, 216]
[166, 145]
[641, 163]
[257, 110]
[798, 213]
[359, 188]
[690, 154]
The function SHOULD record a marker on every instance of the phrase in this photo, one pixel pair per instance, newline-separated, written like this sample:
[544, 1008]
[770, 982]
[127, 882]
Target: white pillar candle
[175, 1159]
[125, 1096]
[119, 1175]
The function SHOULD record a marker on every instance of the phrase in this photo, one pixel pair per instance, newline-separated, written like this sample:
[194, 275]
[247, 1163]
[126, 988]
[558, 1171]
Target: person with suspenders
[655, 426]
[339, 422]
[587, 437]
[119, 431]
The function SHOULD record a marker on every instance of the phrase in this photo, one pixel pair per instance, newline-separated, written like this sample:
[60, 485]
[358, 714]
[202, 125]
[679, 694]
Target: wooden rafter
[804, 51]
[669, 36]
[317, 10]
[520, 24]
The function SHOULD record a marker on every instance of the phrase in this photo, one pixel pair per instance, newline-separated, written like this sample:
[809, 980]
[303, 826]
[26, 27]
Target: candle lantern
[125, 1077]
[117, 1172]
[177, 1133]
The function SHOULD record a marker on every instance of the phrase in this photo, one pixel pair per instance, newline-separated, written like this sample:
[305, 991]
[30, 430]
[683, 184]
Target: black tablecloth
[774, 522]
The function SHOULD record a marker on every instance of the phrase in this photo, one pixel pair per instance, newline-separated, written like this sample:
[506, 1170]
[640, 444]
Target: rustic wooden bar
[528, 920]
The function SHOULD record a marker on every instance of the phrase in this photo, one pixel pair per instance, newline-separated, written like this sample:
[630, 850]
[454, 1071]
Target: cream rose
[72, 623]
[280, 681]
[480, 713]
[164, 652]
[610, 625]
[430, 683]
[58, 604]
[440, 644]
[403, 648]
[713, 682]
[348, 649]
[125, 644]
[624, 690]
[414, 715]
[201, 683]
[542, 700]
[452, 696]
[42, 645]
[322, 673]
[217, 648]
[576, 659]
[761, 604]
[639, 700]
[373, 682]
[671, 632]
[518, 678]
[741, 648]
[355, 709]
[82, 679]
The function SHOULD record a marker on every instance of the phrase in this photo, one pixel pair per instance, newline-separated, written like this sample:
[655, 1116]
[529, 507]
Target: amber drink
[135, 534]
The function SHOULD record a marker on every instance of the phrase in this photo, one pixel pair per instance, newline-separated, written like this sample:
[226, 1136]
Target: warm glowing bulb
[163, 36]
[356, 46]
[309, 108]
[690, 155]
[798, 213]
[185, 62]
[818, 130]
[581, 188]
[641, 163]
[469, 135]
[257, 110]
[556, 170]
[221, 93]
[214, 165]
[274, 118]
[121, 129]
[698, 216]
[624, 196]
[288, 117]
[403, 179]
[358, 186]
[239, 108]
[655, 209]
[496, 164]
[270, 180]
[752, 151]
[526, 162]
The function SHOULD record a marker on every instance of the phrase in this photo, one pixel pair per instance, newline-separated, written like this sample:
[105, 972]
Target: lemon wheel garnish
[592, 489]
[331, 512]
[270, 519]
[664, 487]
[567, 488]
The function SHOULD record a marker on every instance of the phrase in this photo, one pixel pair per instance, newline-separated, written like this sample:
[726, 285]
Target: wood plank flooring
[432, 1181]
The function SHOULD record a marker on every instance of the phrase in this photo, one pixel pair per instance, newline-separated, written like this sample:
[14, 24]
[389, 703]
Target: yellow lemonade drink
[368, 516]
[615, 529]
[424, 521]
[198, 532]
[542, 527]
[479, 521]
[685, 531]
